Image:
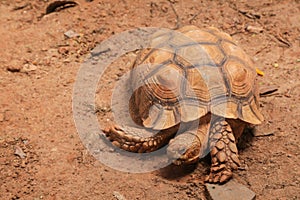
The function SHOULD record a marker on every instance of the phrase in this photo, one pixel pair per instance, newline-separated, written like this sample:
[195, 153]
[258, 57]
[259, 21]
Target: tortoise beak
[182, 161]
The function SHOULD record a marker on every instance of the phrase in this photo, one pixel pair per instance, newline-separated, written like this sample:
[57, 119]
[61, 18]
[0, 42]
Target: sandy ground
[41, 154]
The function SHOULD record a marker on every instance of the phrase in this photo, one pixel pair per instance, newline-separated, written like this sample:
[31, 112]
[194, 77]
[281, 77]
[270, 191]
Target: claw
[117, 127]
[207, 179]
[106, 130]
[224, 178]
[220, 177]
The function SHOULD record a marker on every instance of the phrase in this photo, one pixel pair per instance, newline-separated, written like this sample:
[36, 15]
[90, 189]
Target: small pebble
[28, 68]
[118, 196]
[71, 34]
[254, 29]
[19, 152]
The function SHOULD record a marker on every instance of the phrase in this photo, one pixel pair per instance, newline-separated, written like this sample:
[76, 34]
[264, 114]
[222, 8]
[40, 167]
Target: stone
[232, 190]
[118, 195]
[254, 29]
[28, 68]
[71, 34]
[19, 152]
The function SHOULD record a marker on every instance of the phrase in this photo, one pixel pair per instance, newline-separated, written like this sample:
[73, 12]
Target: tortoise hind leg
[224, 153]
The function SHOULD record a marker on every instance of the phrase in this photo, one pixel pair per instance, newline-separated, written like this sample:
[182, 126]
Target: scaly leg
[224, 153]
[135, 140]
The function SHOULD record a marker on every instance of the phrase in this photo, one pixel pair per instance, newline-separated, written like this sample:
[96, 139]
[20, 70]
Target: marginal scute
[153, 115]
[201, 36]
[249, 114]
[160, 118]
[188, 28]
[197, 111]
[220, 34]
[231, 110]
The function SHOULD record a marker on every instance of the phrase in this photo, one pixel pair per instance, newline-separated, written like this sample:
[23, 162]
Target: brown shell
[190, 73]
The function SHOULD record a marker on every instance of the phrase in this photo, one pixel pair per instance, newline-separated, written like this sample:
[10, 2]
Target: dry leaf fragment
[259, 72]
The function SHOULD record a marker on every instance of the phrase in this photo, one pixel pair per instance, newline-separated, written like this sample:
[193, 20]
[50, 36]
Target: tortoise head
[185, 148]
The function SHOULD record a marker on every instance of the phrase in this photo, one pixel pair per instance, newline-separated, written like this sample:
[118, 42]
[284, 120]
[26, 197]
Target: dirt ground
[41, 154]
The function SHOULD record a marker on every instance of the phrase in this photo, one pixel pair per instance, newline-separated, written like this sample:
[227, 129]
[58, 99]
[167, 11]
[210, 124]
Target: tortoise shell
[190, 73]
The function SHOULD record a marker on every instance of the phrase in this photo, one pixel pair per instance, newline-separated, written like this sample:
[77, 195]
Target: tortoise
[197, 103]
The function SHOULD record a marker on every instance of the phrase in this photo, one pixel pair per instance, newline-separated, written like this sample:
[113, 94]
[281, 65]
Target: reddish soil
[41, 154]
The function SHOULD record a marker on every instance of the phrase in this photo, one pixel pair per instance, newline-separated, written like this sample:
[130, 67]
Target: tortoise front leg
[224, 153]
[134, 140]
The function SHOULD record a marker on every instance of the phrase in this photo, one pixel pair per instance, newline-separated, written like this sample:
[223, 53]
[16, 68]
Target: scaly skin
[224, 153]
[188, 146]
[129, 142]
